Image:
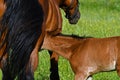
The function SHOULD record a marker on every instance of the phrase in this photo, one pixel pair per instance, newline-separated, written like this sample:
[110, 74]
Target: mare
[87, 56]
[22, 30]
[2, 8]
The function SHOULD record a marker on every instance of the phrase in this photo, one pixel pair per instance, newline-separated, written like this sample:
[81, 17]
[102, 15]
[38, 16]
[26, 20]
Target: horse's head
[71, 8]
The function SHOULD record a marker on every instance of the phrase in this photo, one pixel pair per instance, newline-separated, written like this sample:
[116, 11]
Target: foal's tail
[23, 21]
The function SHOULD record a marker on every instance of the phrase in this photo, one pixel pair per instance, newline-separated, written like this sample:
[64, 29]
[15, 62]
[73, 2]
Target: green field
[99, 18]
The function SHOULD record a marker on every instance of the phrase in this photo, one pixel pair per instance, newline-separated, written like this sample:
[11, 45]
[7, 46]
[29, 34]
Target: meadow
[99, 18]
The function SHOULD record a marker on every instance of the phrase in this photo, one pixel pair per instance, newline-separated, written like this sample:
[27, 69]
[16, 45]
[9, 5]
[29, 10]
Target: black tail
[23, 22]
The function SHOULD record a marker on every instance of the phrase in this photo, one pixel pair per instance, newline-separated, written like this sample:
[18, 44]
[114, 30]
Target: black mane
[23, 22]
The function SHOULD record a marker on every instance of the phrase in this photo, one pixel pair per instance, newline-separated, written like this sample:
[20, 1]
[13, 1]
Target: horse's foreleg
[6, 77]
[5, 70]
[31, 67]
[6, 74]
[54, 66]
[28, 74]
[33, 62]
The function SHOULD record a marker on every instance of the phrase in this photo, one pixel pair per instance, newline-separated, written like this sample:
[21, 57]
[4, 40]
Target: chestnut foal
[87, 56]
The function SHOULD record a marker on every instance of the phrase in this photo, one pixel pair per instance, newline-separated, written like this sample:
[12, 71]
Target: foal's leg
[54, 66]
[81, 76]
[118, 65]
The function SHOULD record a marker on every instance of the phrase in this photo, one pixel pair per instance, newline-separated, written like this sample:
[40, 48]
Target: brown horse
[2, 10]
[22, 31]
[87, 56]
[2, 7]
[72, 13]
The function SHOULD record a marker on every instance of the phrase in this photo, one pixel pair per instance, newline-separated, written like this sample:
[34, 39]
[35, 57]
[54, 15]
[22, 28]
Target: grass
[99, 18]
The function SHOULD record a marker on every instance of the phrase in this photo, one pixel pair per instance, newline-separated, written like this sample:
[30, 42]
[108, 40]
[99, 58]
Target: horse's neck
[61, 44]
[52, 18]
[59, 2]
[2, 7]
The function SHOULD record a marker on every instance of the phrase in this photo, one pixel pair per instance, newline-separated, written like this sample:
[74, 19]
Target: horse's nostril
[79, 15]
[66, 16]
[75, 19]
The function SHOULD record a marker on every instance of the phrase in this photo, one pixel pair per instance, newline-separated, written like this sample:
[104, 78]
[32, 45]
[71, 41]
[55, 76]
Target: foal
[87, 56]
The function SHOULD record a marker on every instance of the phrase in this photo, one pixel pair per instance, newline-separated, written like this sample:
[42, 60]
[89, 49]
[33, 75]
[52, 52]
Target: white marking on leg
[89, 78]
[111, 66]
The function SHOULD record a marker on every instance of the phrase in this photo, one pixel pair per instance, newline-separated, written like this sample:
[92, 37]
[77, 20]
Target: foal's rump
[103, 52]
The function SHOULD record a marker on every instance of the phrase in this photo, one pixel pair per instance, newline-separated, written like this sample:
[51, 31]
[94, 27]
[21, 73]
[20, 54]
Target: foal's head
[71, 8]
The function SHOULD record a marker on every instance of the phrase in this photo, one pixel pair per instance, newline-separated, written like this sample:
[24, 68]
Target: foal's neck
[63, 45]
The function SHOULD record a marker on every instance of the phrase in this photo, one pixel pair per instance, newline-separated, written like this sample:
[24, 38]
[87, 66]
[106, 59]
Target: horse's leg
[25, 75]
[28, 74]
[81, 76]
[3, 66]
[118, 65]
[89, 78]
[6, 75]
[31, 67]
[54, 66]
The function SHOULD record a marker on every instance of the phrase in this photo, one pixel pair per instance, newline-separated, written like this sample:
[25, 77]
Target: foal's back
[99, 54]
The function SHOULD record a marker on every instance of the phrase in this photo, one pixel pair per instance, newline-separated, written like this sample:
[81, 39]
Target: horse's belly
[110, 66]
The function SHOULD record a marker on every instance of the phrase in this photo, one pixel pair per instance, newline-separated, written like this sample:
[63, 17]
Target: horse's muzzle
[75, 19]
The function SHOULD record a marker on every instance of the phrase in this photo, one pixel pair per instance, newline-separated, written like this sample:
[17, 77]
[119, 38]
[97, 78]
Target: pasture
[99, 18]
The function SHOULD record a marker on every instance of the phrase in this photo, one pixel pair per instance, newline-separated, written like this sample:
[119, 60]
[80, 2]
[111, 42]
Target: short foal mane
[75, 36]
[23, 21]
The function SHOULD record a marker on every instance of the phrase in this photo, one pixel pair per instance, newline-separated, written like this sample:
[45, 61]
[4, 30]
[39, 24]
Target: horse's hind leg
[54, 66]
